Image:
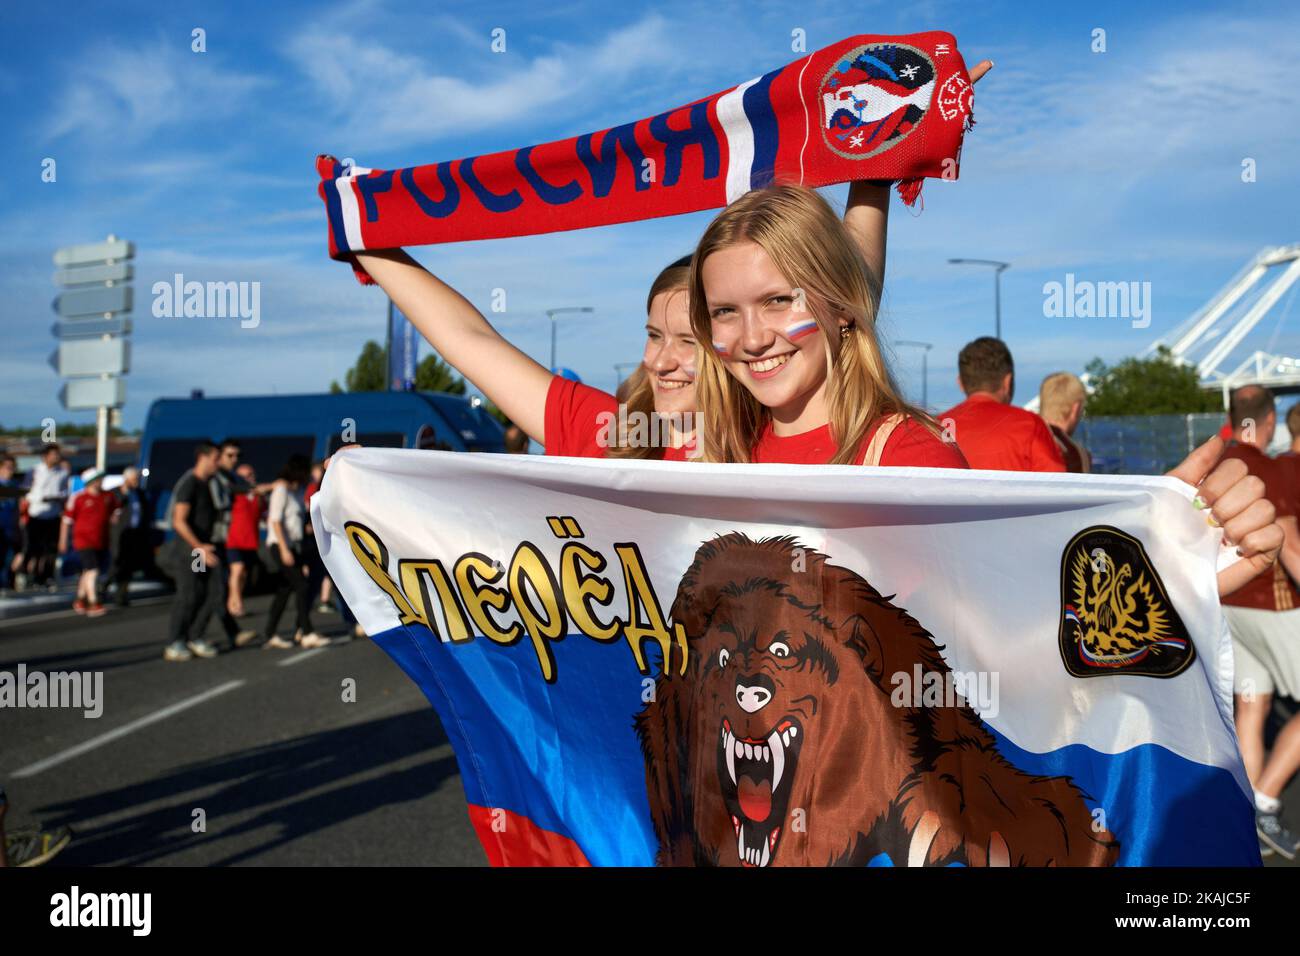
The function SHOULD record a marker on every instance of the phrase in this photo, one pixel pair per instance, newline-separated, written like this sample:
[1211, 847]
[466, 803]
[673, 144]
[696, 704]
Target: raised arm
[867, 218]
[463, 337]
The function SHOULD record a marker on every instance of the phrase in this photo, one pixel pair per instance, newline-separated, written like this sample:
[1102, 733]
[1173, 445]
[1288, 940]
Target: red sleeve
[580, 420]
[914, 445]
[1044, 453]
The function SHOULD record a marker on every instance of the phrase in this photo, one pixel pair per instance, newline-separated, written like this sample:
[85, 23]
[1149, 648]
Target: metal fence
[1144, 444]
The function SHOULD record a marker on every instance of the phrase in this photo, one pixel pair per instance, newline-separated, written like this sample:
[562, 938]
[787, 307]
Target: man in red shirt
[87, 516]
[242, 539]
[992, 433]
[1264, 619]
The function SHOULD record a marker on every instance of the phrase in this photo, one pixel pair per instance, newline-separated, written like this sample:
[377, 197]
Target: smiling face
[670, 353]
[765, 336]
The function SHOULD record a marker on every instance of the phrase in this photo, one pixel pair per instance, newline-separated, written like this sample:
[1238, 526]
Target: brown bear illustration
[780, 744]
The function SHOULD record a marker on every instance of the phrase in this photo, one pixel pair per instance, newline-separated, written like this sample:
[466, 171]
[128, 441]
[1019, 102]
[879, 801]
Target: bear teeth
[777, 741]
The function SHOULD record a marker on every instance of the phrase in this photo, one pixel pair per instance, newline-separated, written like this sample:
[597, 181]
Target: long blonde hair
[638, 391]
[809, 244]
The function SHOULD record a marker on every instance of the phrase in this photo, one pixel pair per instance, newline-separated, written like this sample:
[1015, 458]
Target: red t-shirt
[911, 444]
[1002, 437]
[1273, 590]
[245, 512]
[89, 515]
[578, 420]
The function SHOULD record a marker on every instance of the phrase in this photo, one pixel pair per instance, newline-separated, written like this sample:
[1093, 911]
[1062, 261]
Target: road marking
[68, 612]
[300, 657]
[145, 721]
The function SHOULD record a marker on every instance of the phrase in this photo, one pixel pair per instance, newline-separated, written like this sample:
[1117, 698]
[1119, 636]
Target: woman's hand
[1234, 499]
[286, 556]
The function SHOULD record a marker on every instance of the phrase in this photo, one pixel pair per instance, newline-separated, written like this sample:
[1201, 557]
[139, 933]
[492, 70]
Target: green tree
[65, 430]
[370, 374]
[1148, 386]
[435, 375]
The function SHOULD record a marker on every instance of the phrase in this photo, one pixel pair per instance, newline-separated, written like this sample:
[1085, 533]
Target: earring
[844, 331]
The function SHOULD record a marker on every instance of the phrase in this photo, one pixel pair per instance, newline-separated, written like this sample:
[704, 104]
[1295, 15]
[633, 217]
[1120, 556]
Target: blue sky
[1119, 166]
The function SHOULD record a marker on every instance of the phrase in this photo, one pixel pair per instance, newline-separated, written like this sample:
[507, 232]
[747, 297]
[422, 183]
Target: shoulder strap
[878, 440]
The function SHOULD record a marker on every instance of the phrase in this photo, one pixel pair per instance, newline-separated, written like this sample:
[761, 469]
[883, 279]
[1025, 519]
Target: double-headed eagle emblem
[1116, 616]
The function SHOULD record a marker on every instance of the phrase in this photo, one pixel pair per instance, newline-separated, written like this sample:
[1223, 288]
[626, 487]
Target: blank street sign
[93, 357]
[114, 272]
[95, 300]
[93, 252]
[81, 393]
[81, 328]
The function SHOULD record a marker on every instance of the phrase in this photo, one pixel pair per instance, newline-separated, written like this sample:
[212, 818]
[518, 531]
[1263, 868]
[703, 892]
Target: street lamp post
[998, 269]
[551, 314]
[925, 369]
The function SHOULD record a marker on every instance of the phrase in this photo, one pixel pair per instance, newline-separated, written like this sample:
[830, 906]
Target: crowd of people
[43, 521]
[226, 531]
[216, 511]
[761, 346]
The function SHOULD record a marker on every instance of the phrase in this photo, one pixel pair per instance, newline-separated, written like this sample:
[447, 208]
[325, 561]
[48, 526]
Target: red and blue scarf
[869, 107]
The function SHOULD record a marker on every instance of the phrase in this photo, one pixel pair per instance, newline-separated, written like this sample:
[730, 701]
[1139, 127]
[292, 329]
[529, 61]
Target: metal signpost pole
[93, 350]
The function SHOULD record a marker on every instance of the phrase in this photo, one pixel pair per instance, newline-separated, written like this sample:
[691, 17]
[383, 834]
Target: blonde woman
[795, 372]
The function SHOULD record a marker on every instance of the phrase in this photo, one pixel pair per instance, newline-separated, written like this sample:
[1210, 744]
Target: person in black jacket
[131, 534]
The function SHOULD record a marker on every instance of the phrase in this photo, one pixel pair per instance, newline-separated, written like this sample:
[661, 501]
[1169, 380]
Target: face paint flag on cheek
[868, 107]
[721, 351]
[801, 330]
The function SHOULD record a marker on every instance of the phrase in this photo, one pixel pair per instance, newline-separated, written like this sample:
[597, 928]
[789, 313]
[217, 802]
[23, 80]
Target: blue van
[270, 428]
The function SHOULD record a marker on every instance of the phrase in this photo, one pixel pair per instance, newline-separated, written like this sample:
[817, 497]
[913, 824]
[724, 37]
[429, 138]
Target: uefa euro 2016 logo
[873, 97]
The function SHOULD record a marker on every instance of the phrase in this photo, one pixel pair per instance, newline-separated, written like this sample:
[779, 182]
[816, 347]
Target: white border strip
[740, 140]
[351, 212]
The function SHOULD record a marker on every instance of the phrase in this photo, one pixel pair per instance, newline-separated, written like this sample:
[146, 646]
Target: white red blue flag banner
[776, 665]
[868, 107]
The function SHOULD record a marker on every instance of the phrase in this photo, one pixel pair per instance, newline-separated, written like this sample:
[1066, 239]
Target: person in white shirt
[45, 500]
[286, 520]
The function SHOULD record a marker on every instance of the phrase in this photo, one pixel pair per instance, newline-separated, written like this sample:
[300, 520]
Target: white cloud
[1155, 105]
[120, 91]
[382, 97]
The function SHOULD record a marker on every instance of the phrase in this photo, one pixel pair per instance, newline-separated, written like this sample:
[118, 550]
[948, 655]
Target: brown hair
[1293, 420]
[982, 364]
[806, 240]
[638, 392]
[1250, 402]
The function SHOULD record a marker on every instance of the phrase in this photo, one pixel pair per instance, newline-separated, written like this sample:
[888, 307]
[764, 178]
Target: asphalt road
[286, 772]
